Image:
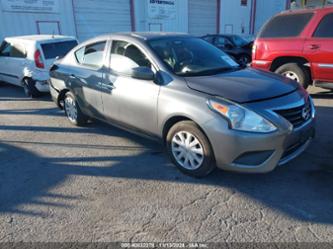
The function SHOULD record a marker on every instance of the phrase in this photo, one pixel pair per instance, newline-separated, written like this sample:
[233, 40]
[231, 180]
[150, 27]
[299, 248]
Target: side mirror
[142, 73]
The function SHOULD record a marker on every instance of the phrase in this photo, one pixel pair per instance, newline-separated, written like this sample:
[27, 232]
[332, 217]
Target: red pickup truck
[299, 45]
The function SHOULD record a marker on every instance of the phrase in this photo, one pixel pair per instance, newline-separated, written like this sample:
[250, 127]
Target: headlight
[241, 118]
[313, 109]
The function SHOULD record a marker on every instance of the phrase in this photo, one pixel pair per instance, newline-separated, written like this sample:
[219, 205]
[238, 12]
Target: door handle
[314, 46]
[72, 76]
[106, 86]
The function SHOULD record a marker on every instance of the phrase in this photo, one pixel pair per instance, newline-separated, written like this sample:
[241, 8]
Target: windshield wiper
[208, 72]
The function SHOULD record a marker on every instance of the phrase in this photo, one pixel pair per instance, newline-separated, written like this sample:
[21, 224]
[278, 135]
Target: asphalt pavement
[61, 183]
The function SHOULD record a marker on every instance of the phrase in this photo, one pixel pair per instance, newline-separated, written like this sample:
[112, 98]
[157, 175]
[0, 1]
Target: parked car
[25, 60]
[188, 94]
[234, 45]
[299, 45]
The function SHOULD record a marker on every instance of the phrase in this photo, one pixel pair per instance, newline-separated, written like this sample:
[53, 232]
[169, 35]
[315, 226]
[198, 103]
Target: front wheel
[190, 150]
[295, 72]
[72, 110]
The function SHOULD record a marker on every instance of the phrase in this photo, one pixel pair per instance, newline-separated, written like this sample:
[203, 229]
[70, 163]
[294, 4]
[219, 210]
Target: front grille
[297, 116]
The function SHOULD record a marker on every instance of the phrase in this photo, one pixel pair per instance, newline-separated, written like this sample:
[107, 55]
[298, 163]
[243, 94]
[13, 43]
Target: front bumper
[257, 153]
[261, 64]
[55, 95]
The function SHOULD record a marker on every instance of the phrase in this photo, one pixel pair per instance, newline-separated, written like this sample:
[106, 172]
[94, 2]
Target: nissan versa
[189, 94]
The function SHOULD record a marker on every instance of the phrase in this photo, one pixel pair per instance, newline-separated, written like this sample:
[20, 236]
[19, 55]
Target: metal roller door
[202, 17]
[96, 17]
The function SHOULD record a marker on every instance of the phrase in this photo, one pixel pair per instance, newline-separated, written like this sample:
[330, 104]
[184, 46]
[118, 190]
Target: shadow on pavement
[326, 94]
[16, 93]
[303, 189]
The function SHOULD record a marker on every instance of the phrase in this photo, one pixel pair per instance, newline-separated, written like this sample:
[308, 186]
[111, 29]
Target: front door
[319, 49]
[132, 102]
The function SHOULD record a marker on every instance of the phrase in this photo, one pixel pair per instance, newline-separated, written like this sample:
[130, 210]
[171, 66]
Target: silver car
[183, 91]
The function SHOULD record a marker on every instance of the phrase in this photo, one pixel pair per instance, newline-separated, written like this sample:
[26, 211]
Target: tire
[244, 59]
[296, 72]
[199, 165]
[29, 88]
[73, 111]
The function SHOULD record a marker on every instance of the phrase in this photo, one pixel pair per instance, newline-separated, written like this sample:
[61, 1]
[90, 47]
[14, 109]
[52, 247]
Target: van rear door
[52, 50]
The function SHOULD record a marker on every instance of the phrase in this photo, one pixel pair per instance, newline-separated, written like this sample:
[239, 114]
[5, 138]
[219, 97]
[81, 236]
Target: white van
[25, 60]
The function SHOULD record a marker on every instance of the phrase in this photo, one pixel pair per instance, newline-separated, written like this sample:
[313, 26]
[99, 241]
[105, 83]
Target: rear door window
[17, 51]
[54, 49]
[12, 50]
[285, 26]
[5, 49]
[325, 29]
[91, 55]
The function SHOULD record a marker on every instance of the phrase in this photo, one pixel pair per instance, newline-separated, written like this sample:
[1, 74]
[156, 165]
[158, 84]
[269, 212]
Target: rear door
[85, 78]
[319, 49]
[12, 62]
[4, 54]
[52, 50]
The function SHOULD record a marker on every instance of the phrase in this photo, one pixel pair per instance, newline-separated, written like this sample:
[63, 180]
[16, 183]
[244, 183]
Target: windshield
[239, 41]
[52, 50]
[187, 56]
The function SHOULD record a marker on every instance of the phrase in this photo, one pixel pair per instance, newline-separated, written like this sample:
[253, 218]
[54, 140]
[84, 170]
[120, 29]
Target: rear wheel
[295, 72]
[190, 150]
[72, 110]
[29, 88]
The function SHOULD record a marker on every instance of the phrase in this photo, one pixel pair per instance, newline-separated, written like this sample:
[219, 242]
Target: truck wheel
[29, 88]
[72, 110]
[295, 72]
[190, 150]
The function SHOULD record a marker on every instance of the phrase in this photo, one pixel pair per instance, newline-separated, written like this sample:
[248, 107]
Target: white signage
[44, 6]
[162, 9]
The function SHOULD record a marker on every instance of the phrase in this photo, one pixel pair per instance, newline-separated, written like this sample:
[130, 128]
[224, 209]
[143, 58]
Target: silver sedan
[202, 105]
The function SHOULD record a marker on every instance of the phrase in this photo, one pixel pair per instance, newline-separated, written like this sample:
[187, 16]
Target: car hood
[247, 85]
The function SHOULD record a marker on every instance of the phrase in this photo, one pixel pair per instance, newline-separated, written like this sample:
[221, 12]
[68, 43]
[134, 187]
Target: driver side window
[222, 42]
[126, 56]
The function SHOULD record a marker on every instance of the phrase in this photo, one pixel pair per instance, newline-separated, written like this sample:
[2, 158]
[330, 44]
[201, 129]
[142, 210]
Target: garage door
[202, 17]
[96, 17]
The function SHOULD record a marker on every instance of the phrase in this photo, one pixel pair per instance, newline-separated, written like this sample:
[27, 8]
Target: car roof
[325, 9]
[39, 38]
[143, 35]
[228, 35]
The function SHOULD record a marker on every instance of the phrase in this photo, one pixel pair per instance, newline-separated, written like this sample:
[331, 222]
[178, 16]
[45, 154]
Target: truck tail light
[38, 59]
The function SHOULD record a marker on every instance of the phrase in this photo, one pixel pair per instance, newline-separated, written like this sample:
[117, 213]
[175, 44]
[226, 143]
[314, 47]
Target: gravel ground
[98, 183]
